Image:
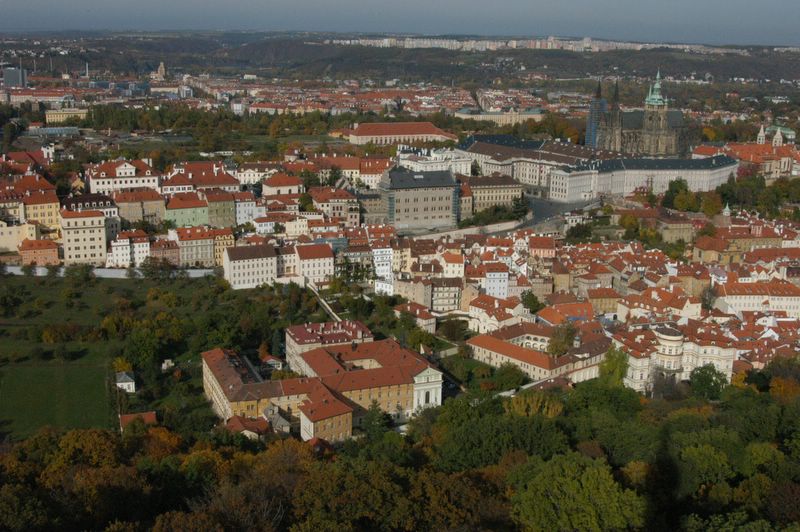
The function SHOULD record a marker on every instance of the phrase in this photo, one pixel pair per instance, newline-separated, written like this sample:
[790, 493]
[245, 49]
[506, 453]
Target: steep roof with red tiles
[314, 252]
[137, 195]
[40, 197]
[148, 418]
[81, 214]
[329, 332]
[186, 200]
[36, 245]
[328, 194]
[243, 424]
[282, 180]
[111, 168]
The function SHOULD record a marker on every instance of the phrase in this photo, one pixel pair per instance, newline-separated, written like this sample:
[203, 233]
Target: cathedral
[657, 131]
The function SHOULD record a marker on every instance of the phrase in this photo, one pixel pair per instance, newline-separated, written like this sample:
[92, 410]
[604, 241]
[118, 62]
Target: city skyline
[734, 23]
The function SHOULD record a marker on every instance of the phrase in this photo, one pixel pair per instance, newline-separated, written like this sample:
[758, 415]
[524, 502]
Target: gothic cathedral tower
[656, 138]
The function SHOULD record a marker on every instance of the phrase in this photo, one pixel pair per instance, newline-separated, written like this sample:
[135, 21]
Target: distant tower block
[162, 71]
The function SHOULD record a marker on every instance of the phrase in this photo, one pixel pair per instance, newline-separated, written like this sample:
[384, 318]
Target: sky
[698, 21]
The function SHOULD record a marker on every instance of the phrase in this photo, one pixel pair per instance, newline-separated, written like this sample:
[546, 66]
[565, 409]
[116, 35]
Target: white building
[773, 296]
[245, 206]
[427, 390]
[382, 255]
[452, 265]
[315, 262]
[252, 173]
[83, 235]
[496, 284]
[130, 248]
[112, 176]
[622, 177]
[429, 160]
[667, 351]
[250, 266]
[126, 382]
[487, 313]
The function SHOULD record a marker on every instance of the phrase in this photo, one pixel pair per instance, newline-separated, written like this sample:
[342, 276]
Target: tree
[9, 134]
[157, 269]
[531, 302]
[519, 207]
[631, 225]
[562, 339]
[686, 200]
[79, 275]
[375, 422]
[186, 522]
[21, 509]
[335, 175]
[52, 271]
[475, 169]
[10, 299]
[675, 187]
[707, 298]
[579, 232]
[453, 329]
[306, 203]
[508, 377]
[614, 367]
[535, 402]
[573, 492]
[711, 204]
[707, 382]
[29, 270]
[121, 365]
[708, 230]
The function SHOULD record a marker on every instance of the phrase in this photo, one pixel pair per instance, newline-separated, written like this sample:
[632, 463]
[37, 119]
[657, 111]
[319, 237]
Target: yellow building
[42, 207]
[341, 384]
[223, 239]
[11, 206]
[12, 235]
[59, 116]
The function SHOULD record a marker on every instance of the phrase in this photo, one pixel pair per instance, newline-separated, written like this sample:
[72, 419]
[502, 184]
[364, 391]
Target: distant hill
[297, 56]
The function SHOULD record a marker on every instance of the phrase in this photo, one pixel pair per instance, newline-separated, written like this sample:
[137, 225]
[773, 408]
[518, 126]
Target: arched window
[427, 397]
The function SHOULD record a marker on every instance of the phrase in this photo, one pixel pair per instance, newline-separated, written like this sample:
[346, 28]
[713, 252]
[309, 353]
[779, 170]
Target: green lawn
[61, 394]
[42, 390]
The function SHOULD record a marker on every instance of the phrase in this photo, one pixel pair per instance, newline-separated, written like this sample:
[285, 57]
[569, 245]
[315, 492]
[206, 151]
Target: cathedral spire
[654, 96]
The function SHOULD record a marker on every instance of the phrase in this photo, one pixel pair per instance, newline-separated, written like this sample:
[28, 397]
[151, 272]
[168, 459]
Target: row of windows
[425, 199]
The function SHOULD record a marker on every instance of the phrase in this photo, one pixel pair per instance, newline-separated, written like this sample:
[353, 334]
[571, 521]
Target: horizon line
[456, 36]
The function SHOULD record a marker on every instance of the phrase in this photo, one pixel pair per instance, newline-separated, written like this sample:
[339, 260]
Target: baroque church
[656, 131]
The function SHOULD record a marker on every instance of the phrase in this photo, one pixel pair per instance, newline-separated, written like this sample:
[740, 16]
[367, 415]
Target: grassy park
[44, 379]
[66, 395]
[62, 338]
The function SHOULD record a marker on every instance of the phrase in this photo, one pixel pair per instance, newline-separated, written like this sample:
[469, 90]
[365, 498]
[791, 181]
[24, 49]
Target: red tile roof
[314, 251]
[32, 245]
[149, 418]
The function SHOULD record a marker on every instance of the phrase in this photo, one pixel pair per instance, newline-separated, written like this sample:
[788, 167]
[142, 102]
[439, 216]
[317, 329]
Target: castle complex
[656, 131]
